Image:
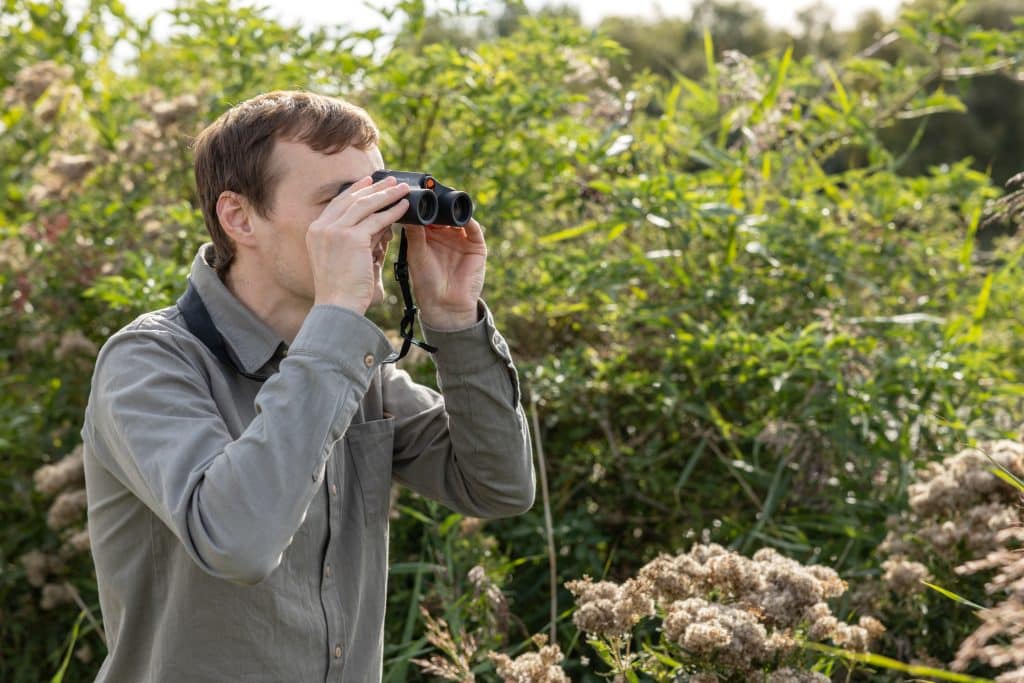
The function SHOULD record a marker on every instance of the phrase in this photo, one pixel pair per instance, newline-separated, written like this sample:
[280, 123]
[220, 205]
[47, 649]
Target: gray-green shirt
[240, 528]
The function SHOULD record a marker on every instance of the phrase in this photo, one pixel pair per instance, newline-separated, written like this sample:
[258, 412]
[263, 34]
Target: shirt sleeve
[468, 447]
[234, 503]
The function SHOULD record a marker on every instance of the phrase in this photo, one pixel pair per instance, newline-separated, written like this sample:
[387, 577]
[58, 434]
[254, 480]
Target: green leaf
[568, 233]
[952, 596]
[844, 100]
[894, 664]
[1007, 476]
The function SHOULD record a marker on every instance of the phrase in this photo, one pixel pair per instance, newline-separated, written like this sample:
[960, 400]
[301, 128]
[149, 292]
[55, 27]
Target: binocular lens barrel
[423, 207]
[456, 208]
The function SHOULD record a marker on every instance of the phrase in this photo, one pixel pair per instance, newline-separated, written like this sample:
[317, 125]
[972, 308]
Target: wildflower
[68, 471]
[532, 667]
[66, 510]
[71, 168]
[672, 578]
[55, 595]
[903, 575]
[84, 653]
[608, 609]
[732, 636]
[31, 82]
[456, 665]
[74, 343]
[965, 479]
[469, 526]
[76, 543]
[999, 641]
[170, 112]
[851, 637]
[38, 565]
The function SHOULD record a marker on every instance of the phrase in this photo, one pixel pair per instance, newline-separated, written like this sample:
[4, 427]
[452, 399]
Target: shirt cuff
[471, 349]
[344, 337]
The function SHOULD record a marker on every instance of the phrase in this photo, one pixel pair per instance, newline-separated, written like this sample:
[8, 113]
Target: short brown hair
[233, 152]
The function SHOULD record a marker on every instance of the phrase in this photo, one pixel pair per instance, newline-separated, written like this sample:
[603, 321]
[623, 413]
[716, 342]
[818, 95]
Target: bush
[718, 325]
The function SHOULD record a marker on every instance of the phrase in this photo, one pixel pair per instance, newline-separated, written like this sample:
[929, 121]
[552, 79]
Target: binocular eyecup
[430, 202]
[423, 207]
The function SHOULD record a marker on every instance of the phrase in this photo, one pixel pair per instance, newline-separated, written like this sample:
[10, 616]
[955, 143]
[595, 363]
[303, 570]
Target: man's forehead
[291, 156]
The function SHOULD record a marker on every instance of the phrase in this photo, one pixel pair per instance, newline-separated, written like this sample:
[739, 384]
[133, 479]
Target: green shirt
[240, 528]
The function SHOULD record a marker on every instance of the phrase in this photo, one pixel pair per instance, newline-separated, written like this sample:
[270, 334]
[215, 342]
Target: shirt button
[368, 360]
[334, 489]
[327, 571]
[337, 651]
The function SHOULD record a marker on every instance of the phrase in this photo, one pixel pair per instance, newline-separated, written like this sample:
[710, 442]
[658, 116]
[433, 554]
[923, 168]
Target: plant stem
[548, 526]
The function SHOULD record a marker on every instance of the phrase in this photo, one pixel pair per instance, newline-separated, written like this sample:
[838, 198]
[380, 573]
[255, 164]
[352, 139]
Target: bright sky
[356, 14]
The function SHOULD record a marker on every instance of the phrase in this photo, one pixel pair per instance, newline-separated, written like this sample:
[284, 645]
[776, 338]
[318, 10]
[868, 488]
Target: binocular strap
[200, 324]
[409, 316]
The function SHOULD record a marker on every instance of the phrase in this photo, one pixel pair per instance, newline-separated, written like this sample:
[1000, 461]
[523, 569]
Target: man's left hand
[447, 268]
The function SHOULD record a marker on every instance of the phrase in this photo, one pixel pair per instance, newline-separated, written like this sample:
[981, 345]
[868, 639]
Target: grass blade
[953, 596]
[894, 664]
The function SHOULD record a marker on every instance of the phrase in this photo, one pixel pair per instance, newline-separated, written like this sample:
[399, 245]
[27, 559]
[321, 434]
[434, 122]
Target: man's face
[305, 181]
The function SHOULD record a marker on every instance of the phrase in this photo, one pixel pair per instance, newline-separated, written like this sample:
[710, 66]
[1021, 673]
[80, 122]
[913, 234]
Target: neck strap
[201, 325]
[409, 316]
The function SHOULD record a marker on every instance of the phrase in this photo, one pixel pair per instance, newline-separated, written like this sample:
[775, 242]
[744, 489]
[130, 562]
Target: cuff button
[368, 360]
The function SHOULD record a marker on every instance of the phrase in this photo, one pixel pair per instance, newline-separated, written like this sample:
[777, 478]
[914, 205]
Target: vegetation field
[763, 288]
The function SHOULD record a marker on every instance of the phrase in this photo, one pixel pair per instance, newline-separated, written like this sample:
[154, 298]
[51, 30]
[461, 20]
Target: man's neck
[281, 311]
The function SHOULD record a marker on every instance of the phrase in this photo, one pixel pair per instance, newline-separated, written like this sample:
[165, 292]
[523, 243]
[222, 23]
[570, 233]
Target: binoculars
[430, 202]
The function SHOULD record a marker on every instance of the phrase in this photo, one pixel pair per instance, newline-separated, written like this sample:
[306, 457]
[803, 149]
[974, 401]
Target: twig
[548, 526]
[88, 612]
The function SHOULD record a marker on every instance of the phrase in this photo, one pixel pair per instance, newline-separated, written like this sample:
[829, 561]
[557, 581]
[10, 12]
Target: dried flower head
[55, 595]
[965, 479]
[76, 544]
[66, 510]
[732, 637]
[38, 566]
[169, 112]
[458, 651]
[31, 82]
[532, 667]
[74, 343]
[608, 609]
[71, 168]
[68, 471]
[904, 576]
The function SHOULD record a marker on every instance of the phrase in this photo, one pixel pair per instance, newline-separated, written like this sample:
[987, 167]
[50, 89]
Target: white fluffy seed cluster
[999, 641]
[62, 480]
[955, 505]
[542, 666]
[716, 605]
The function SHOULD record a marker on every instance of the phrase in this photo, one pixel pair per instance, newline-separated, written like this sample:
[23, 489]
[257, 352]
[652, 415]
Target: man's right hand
[340, 241]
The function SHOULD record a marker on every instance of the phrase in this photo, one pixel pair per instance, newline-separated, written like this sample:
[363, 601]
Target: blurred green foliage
[747, 294]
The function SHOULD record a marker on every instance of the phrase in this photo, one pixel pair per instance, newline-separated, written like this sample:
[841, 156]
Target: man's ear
[234, 213]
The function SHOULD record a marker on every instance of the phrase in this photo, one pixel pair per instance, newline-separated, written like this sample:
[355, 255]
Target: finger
[340, 201]
[361, 188]
[378, 222]
[371, 203]
[474, 231]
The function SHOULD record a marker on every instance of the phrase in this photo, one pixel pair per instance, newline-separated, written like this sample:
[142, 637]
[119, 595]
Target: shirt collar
[250, 339]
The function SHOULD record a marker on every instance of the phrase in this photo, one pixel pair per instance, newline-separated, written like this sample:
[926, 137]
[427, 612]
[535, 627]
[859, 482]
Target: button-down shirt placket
[328, 584]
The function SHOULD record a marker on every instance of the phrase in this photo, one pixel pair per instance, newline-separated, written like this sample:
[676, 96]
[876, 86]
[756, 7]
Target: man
[238, 506]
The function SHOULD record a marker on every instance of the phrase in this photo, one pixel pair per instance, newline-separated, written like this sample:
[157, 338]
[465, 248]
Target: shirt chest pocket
[370, 448]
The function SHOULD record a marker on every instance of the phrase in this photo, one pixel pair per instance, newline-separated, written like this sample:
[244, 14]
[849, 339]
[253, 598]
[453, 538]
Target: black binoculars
[430, 202]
